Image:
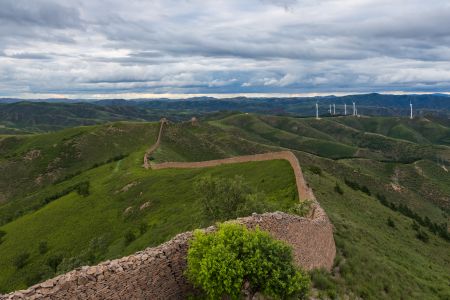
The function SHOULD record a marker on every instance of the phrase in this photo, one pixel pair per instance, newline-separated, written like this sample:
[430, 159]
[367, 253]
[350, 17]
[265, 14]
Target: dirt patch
[128, 210]
[396, 187]
[145, 205]
[31, 155]
[127, 187]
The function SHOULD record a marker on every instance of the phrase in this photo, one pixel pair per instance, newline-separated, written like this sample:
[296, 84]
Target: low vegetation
[234, 258]
[384, 187]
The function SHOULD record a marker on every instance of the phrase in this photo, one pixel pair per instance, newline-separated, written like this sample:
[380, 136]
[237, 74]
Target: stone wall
[303, 191]
[157, 273]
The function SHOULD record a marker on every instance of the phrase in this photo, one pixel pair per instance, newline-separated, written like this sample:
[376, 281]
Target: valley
[95, 201]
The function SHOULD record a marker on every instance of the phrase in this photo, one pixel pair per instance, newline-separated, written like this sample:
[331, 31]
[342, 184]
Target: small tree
[21, 260]
[228, 198]
[43, 247]
[338, 189]
[129, 237]
[221, 262]
[390, 222]
[143, 227]
[423, 236]
[54, 261]
[2, 234]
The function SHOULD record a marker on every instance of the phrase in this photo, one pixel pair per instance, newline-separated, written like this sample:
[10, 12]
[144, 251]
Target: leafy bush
[316, 170]
[423, 236]
[302, 208]
[54, 261]
[143, 227]
[43, 247]
[322, 280]
[338, 189]
[221, 262]
[21, 260]
[390, 222]
[2, 234]
[129, 237]
[83, 188]
[224, 199]
[355, 186]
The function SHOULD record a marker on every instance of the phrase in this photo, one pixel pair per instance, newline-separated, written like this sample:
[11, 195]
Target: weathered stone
[158, 273]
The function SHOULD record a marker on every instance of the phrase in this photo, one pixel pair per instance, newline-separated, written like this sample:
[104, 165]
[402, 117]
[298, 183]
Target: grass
[72, 223]
[375, 260]
[379, 255]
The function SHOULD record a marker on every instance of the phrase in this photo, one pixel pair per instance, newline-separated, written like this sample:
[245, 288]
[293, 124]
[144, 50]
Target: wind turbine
[330, 110]
[334, 109]
[410, 106]
[354, 109]
[317, 111]
[345, 109]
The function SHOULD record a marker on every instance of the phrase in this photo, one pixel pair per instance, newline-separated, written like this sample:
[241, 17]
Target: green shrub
[415, 226]
[423, 236]
[322, 280]
[302, 208]
[390, 222]
[143, 227]
[2, 234]
[54, 261]
[221, 262]
[316, 170]
[83, 188]
[21, 260]
[224, 198]
[129, 237]
[43, 247]
[338, 189]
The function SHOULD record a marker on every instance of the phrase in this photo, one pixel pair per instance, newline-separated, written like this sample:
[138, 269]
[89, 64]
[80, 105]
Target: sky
[170, 48]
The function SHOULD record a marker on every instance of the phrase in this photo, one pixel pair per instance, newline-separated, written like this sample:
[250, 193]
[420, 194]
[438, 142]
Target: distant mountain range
[53, 114]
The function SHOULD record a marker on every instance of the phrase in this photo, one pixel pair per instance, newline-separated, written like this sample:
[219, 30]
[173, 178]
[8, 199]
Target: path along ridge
[304, 192]
[158, 272]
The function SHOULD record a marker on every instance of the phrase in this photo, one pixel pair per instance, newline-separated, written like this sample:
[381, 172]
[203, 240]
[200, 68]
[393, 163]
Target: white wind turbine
[411, 114]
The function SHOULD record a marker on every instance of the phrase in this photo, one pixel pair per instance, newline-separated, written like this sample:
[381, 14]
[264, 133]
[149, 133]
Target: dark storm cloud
[87, 47]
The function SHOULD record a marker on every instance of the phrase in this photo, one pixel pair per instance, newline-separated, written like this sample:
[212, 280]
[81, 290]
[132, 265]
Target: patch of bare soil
[33, 154]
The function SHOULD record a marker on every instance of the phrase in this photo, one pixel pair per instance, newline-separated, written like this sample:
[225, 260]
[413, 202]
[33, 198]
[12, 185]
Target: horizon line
[137, 96]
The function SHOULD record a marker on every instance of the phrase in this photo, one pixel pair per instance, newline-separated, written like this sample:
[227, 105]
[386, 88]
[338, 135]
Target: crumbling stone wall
[157, 273]
[303, 190]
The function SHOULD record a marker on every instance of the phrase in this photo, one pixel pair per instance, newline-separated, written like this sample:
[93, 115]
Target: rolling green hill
[393, 175]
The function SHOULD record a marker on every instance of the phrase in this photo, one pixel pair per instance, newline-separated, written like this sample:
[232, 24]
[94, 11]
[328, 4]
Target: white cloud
[91, 47]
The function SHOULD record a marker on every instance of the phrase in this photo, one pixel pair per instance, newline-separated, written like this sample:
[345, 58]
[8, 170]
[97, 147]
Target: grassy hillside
[376, 260]
[32, 162]
[122, 197]
[394, 177]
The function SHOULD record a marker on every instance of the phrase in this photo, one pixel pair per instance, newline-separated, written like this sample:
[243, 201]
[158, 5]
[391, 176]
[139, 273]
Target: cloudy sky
[138, 48]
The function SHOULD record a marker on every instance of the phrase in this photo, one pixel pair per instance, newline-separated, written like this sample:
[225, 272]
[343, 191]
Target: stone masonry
[157, 273]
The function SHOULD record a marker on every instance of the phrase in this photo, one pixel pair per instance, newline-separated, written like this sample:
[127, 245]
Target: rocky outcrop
[158, 273]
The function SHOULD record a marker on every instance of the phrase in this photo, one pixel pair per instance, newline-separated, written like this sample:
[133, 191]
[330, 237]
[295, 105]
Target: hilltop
[367, 173]
[19, 116]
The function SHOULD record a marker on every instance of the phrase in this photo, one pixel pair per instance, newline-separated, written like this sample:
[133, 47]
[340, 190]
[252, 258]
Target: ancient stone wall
[157, 273]
[155, 145]
[303, 191]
